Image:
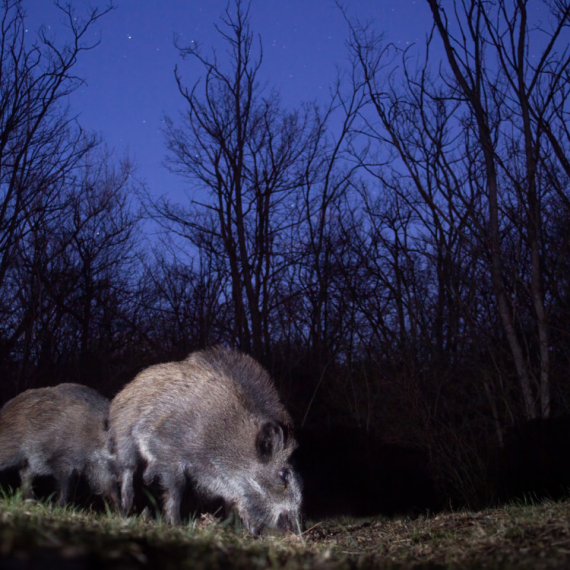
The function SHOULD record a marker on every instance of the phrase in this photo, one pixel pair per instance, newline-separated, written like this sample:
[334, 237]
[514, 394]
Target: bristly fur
[216, 417]
[57, 431]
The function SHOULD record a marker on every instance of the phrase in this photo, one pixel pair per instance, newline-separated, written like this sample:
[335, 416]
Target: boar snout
[289, 522]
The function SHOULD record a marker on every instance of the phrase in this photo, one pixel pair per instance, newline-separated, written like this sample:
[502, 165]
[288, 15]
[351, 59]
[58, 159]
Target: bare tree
[528, 95]
[472, 144]
[326, 190]
[74, 273]
[40, 141]
[186, 303]
[237, 145]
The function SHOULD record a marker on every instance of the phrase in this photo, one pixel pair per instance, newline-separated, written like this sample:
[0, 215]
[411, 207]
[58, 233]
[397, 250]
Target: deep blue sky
[130, 81]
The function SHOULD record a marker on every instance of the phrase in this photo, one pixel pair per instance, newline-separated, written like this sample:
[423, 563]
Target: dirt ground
[517, 536]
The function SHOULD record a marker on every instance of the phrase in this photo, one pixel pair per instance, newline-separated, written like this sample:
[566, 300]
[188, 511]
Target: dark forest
[398, 259]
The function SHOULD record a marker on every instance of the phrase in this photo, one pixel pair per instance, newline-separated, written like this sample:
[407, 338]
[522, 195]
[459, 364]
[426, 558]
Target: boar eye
[284, 474]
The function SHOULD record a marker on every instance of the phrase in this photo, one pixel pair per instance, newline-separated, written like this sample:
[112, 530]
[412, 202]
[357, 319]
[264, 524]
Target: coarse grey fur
[217, 418]
[57, 431]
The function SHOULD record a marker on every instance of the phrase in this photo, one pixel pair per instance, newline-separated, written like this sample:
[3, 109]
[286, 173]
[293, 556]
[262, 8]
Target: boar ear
[270, 439]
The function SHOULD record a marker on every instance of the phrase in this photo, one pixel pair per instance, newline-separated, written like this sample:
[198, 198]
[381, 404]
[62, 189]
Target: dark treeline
[398, 259]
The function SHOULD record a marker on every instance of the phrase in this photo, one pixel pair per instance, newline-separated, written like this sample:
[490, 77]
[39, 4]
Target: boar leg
[26, 478]
[62, 478]
[112, 496]
[149, 474]
[127, 492]
[111, 493]
[103, 480]
[173, 485]
[126, 463]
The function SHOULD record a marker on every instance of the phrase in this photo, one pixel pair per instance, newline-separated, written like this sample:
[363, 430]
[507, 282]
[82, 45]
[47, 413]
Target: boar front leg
[127, 491]
[112, 494]
[126, 464]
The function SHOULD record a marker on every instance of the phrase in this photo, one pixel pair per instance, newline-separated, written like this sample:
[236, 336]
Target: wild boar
[216, 418]
[59, 431]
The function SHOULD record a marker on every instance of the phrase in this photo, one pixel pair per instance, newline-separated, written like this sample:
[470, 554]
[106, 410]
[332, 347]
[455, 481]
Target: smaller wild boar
[56, 432]
[216, 418]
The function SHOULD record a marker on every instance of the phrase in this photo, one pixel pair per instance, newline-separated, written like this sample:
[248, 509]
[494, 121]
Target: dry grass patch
[517, 536]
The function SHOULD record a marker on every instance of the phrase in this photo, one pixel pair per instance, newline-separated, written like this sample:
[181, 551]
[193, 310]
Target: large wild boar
[56, 432]
[215, 417]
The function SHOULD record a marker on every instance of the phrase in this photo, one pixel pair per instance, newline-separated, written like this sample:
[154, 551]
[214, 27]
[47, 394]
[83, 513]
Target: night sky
[129, 77]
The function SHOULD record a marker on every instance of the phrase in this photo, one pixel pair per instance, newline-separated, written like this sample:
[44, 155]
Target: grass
[521, 535]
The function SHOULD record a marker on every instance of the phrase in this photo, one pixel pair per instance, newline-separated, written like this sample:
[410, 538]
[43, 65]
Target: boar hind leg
[173, 485]
[62, 478]
[26, 478]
